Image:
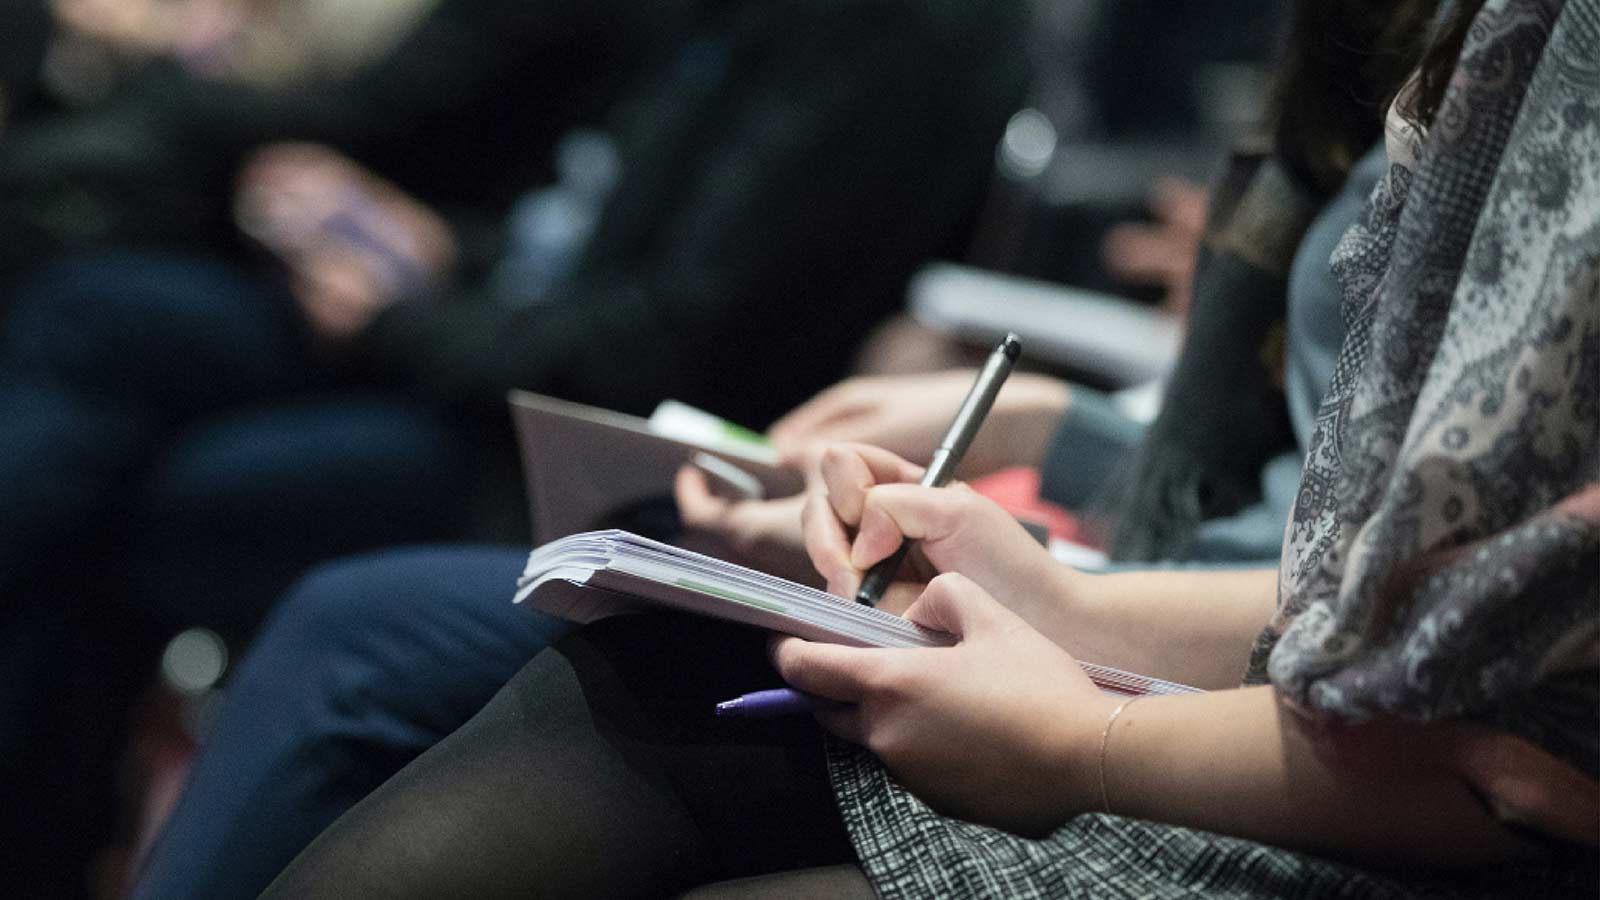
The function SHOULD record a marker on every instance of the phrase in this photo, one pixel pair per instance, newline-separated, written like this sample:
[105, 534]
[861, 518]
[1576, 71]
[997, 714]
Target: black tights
[599, 770]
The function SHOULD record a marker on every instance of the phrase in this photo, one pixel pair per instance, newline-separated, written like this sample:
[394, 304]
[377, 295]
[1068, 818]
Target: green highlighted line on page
[726, 594]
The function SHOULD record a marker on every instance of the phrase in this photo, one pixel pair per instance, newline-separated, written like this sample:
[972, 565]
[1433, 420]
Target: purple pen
[764, 704]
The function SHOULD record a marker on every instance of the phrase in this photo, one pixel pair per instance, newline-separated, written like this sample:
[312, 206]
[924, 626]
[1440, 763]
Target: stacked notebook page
[589, 576]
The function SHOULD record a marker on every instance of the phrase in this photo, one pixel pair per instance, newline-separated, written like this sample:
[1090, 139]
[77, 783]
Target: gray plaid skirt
[907, 850]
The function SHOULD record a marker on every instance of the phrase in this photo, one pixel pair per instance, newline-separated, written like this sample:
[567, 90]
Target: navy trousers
[366, 664]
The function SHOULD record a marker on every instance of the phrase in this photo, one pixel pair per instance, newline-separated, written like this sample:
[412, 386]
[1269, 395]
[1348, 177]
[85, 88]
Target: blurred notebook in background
[584, 577]
[586, 467]
[1108, 338]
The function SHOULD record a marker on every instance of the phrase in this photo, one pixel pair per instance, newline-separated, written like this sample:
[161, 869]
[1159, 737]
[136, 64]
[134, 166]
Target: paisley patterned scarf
[1443, 557]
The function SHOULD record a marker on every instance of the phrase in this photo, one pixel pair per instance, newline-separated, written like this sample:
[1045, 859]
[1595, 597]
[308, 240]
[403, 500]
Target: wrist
[1058, 613]
[1081, 752]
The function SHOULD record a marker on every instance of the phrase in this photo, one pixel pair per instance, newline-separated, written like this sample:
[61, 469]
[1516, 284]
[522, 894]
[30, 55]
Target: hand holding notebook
[1000, 727]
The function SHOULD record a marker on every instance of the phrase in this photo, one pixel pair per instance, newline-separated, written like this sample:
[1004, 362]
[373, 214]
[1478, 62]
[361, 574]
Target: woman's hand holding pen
[1002, 728]
[865, 500]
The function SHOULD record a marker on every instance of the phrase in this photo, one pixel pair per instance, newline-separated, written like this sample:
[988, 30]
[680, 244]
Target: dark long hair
[1342, 63]
[1438, 62]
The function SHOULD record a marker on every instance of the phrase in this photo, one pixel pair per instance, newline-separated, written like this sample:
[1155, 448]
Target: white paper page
[618, 566]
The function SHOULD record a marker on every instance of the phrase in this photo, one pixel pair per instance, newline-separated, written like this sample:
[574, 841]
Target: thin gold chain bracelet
[1105, 740]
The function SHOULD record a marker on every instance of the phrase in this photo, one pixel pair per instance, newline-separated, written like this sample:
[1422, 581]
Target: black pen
[945, 459]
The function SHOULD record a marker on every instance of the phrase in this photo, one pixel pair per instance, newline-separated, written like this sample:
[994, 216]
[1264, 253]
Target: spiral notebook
[595, 574]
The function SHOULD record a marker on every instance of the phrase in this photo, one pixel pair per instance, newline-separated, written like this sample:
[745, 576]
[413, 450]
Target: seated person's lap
[605, 747]
[367, 663]
[235, 509]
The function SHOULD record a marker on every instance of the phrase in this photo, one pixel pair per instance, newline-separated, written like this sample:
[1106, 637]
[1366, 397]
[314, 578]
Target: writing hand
[1002, 729]
[864, 501]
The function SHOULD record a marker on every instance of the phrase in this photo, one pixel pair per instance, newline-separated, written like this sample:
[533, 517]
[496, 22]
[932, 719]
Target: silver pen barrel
[974, 409]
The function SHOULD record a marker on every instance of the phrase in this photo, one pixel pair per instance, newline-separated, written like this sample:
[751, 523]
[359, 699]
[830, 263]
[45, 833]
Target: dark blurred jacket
[1146, 61]
[24, 34]
[785, 170]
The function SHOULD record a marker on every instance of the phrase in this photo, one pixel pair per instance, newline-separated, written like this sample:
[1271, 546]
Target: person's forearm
[1191, 627]
[1029, 412]
[1236, 762]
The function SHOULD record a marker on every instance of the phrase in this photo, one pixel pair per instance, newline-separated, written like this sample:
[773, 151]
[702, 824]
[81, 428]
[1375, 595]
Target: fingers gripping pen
[945, 459]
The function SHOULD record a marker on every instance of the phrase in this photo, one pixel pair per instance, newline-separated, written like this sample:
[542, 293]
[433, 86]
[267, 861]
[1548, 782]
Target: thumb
[954, 604]
[697, 505]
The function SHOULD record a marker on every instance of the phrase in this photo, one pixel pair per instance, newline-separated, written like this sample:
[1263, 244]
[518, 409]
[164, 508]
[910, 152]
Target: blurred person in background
[117, 532]
[189, 427]
[265, 43]
[1133, 108]
[1148, 98]
[140, 121]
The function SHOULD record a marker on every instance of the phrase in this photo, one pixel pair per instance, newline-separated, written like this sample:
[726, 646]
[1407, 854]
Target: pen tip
[1011, 346]
[728, 706]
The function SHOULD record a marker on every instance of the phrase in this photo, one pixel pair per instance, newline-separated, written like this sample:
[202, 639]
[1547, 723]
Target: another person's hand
[1162, 253]
[352, 242]
[909, 414]
[338, 291]
[865, 501]
[762, 533]
[1001, 729]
